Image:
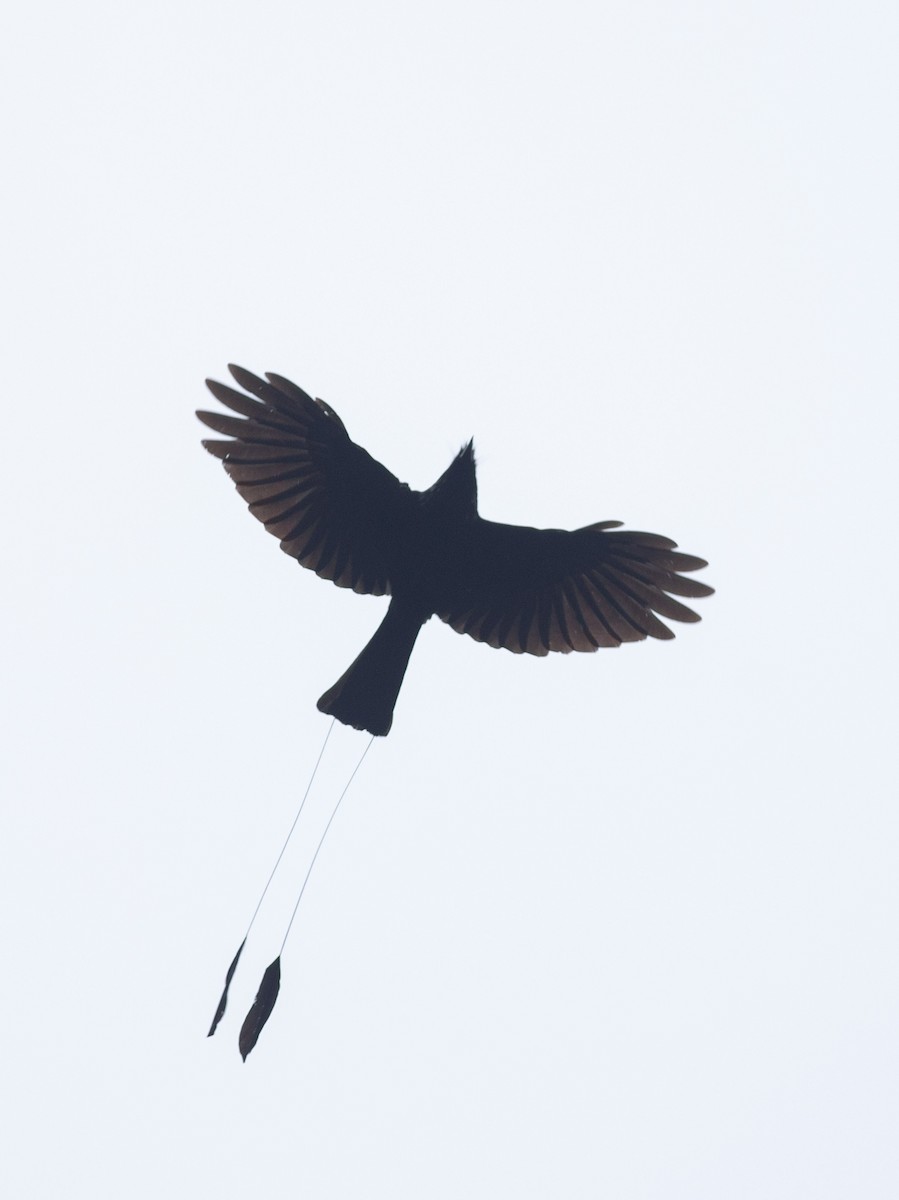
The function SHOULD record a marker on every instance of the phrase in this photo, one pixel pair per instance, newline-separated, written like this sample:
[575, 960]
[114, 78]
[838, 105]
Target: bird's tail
[365, 694]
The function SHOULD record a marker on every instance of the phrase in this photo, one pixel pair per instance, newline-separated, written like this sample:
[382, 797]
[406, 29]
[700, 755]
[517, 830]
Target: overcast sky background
[614, 925]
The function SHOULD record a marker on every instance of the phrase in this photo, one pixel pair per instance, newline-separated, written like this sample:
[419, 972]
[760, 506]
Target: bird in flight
[338, 511]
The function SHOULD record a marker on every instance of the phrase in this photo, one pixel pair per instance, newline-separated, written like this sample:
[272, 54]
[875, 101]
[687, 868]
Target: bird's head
[456, 491]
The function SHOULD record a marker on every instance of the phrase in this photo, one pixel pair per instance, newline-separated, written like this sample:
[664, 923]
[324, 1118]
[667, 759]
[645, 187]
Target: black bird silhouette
[339, 512]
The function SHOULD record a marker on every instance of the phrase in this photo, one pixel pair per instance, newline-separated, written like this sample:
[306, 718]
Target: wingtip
[217, 448]
[248, 381]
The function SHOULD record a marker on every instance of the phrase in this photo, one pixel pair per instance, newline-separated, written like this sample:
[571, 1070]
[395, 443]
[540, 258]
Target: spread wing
[536, 590]
[332, 506]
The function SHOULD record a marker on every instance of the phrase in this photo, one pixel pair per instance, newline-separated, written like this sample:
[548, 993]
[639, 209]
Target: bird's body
[340, 513]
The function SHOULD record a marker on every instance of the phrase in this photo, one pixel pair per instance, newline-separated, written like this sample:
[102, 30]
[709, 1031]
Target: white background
[613, 925]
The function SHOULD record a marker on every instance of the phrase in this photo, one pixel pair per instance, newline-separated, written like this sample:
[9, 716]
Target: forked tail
[365, 694]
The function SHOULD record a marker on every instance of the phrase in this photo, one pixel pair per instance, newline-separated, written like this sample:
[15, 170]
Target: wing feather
[332, 506]
[536, 591]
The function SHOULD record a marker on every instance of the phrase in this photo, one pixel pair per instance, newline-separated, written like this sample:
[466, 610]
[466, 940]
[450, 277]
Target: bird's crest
[456, 490]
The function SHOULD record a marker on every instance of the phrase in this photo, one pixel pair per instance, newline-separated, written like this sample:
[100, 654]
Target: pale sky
[615, 925]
